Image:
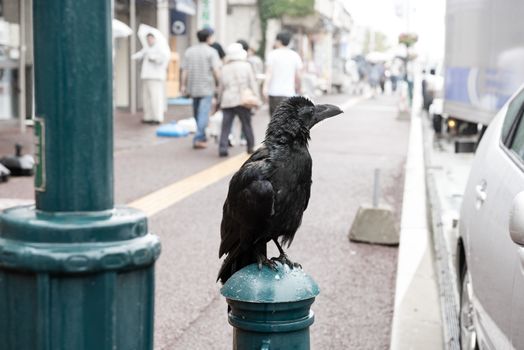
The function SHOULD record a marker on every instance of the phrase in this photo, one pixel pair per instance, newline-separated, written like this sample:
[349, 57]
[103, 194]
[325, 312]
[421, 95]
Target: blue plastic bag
[171, 130]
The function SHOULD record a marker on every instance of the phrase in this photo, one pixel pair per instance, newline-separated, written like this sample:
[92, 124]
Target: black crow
[269, 193]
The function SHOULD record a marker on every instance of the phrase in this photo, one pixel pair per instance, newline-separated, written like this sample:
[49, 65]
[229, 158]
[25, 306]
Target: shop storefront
[16, 94]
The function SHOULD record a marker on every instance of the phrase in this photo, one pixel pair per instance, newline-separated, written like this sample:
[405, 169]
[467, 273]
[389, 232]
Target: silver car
[491, 244]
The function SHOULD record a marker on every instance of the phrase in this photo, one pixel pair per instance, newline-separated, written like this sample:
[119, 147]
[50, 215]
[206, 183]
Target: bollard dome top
[269, 286]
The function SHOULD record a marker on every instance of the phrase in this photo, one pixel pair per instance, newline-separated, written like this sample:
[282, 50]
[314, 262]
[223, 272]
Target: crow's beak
[325, 111]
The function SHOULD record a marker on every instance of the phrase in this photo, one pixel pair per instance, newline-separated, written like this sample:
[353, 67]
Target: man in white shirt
[153, 75]
[282, 73]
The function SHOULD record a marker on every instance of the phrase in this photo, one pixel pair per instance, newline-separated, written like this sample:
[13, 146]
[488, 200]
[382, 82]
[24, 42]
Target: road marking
[159, 200]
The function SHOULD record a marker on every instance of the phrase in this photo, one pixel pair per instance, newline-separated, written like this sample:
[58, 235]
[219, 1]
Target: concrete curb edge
[449, 304]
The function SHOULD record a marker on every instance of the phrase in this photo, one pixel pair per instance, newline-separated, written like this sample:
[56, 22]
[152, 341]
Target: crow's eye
[307, 110]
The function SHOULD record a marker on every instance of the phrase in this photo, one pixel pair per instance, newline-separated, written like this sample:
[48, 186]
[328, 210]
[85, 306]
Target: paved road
[355, 307]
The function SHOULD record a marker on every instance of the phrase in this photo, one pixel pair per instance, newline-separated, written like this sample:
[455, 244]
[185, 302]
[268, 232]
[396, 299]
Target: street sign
[206, 14]
[178, 22]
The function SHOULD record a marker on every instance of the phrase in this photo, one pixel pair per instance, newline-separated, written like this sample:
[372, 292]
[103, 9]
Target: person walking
[395, 74]
[200, 74]
[153, 76]
[238, 93]
[375, 75]
[283, 67]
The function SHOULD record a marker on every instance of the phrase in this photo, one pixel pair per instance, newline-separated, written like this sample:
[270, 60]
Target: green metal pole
[75, 271]
[73, 82]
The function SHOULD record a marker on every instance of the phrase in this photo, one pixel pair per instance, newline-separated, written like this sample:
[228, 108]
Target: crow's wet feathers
[269, 193]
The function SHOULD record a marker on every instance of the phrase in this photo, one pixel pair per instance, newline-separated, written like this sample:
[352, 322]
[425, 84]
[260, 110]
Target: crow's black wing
[293, 186]
[247, 209]
[249, 202]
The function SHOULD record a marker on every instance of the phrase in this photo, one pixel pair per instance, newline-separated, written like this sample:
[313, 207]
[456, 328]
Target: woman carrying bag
[238, 95]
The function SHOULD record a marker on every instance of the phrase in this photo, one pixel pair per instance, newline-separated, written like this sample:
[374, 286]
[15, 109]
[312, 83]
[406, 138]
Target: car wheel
[468, 334]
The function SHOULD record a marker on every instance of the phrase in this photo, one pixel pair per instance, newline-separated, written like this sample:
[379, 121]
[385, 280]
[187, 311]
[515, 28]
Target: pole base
[76, 280]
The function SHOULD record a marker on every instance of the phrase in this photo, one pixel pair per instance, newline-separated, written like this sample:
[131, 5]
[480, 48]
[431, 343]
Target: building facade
[16, 61]
[319, 38]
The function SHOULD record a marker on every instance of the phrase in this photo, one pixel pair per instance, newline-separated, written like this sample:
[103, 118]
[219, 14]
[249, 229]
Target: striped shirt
[199, 61]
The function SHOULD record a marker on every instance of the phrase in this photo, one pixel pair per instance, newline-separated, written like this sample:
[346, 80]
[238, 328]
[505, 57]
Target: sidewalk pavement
[128, 129]
[355, 306]
[129, 135]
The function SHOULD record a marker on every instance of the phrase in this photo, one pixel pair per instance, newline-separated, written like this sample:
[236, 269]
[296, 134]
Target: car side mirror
[516, 219]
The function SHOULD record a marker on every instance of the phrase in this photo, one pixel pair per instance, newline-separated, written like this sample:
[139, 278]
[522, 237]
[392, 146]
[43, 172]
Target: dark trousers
[274, 101]
[228, 115]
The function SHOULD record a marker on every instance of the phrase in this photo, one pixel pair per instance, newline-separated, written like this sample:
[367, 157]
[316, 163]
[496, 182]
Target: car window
[517, 146]
[511, 120]
[515, 132]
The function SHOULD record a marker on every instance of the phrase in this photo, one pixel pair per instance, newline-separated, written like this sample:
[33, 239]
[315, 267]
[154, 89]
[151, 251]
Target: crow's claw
[284, 260]
[263, 260]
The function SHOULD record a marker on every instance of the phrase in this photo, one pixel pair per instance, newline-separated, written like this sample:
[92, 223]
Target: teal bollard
[270, 310]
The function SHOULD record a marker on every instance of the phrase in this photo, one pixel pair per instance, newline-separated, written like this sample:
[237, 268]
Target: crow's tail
[234, 262]
[237, 259]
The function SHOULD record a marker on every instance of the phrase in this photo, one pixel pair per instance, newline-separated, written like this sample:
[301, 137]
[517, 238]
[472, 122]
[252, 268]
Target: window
[517, 146]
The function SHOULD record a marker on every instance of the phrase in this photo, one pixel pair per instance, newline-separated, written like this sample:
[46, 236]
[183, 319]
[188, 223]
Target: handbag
[249, 99]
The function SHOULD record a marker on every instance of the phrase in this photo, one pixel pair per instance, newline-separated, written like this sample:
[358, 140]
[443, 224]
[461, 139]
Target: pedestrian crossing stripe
[163, 198]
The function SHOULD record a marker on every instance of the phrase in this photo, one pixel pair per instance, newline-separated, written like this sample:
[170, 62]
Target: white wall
[323, 56]
[325, 7]
[121, 72]
[243, 22]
